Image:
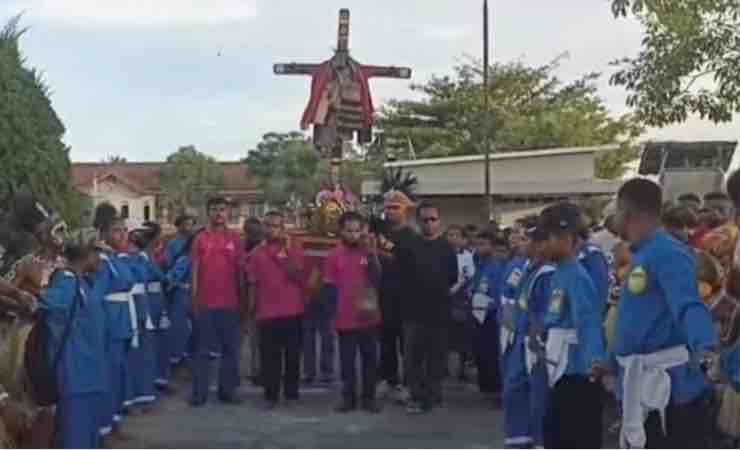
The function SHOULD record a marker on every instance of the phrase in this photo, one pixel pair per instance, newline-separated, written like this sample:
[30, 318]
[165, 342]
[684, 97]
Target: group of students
[630, 310]
[548, 319]
[117, 320]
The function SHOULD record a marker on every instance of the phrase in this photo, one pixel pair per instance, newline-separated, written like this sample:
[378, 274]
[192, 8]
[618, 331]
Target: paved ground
[468, 420]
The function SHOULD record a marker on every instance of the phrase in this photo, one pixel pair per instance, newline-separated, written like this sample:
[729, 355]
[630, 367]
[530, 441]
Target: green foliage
[689, 62]
[32, 153]
[189, 177]
[114, 159]
[530, 108]
[287, 166]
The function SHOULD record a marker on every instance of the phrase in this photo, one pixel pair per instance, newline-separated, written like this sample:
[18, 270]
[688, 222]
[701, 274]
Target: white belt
[183, 285]
[138, 289]
[646, 386]
[154, 288]
[557, 348]
[127, 297]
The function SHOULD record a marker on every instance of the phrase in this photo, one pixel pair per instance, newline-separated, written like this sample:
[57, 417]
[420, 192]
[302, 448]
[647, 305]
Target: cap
[561, 217]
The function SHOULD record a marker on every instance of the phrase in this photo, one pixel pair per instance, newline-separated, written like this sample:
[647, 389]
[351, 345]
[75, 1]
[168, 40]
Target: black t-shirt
[428, 271]
[391, 287]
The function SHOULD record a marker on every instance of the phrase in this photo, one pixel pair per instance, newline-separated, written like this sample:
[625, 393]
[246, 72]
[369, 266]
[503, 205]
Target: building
[522, 182]
[134, 188]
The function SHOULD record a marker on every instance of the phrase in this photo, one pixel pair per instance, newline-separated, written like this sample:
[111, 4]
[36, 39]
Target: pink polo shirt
[347, 269]
[218, 255]
[277, 295]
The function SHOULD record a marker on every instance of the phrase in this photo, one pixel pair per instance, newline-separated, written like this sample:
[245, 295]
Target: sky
[139, 78]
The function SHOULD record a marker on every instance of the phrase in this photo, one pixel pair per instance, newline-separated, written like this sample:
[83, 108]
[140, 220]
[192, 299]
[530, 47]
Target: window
[147, 212]
[124, 210]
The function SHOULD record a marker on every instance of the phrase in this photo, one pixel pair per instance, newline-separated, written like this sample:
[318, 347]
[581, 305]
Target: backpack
[40, 370]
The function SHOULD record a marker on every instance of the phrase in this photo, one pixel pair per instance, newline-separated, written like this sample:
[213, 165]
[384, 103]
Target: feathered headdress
[399, 180]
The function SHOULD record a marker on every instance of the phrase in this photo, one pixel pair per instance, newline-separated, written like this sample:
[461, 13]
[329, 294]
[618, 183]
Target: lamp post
[486, 116]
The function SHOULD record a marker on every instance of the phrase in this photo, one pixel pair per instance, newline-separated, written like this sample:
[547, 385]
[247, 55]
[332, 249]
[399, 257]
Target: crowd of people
[556, 314]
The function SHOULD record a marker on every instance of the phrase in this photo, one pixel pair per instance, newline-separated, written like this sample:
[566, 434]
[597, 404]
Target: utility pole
[486, 115]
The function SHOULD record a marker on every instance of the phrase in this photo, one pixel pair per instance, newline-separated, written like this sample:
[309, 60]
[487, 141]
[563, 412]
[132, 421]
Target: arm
[452, 269]
[676, 277]
[587, 321]
[195, 262]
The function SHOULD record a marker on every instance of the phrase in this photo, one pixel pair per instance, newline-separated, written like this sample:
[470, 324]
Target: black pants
[687, 426]
[364, 342]
[487, 354]
[574, 414]
[391, 344]
[280, 355]
[425, 361]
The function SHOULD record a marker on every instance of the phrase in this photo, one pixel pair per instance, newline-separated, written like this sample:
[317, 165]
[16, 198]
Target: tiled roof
[145, 176]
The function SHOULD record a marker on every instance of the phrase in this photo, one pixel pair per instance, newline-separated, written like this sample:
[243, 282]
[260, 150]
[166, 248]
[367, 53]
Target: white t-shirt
[465, 270]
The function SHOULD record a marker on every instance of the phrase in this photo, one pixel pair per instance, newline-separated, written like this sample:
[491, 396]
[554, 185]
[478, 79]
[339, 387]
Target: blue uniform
[524, 393]
[572, 306]
[487, 281]
[160, 322]
[174, 250]
[81, 372]
[142, 359]
[510, 285]
[660, 308]
[114, 281]
[179, 279]
[596, 263]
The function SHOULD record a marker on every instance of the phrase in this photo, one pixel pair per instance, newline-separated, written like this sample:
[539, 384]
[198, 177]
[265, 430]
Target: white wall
[119, 195]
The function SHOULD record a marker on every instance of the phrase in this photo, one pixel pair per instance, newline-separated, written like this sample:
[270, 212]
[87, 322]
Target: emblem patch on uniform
[556, 301]
[523, 304]
[515, 277]
[637, 281]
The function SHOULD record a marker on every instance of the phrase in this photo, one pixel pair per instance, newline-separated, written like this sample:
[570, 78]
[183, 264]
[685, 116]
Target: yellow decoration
[637, 281]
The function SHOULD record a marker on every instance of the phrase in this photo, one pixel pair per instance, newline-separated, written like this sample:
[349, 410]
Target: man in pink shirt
[351, 277]
[216, 254]
[276, 291]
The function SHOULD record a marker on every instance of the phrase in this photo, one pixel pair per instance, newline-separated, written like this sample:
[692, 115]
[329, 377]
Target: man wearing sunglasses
[429, 270]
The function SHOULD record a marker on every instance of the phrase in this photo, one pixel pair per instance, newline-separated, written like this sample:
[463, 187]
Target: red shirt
[218, 255]
[278, 296]
[347, 269]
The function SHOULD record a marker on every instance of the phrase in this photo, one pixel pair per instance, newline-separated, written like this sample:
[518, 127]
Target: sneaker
[415, 408]
[345, 406]
[214, 355]
[371, 406]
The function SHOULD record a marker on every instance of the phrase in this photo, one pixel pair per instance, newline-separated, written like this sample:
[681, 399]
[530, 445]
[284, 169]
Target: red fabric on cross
[319, 82]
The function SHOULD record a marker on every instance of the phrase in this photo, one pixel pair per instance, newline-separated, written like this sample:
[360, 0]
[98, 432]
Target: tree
[287, 167]
[530, 109]
[689, 62]
[32, 154]
[114, 159]
[189, 177]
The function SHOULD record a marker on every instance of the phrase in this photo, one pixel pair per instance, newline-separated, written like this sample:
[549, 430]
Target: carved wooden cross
[340, 55]
[342, 119]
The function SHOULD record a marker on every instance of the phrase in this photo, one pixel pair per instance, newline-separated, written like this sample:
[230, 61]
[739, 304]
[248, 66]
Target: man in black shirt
[397, 235]
[428, 271]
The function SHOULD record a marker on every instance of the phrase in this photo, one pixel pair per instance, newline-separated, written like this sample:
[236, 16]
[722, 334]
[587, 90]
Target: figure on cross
[340, 102]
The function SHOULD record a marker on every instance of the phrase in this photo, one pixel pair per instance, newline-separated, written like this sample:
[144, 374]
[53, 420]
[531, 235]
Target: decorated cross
[340, 103]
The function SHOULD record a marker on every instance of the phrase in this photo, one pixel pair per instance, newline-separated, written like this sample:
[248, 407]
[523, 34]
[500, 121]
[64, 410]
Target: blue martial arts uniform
[142, 359]
[526, 387]
[660, 308]
[81, 373]
[174, 250]
[511, 280]
[179, 279]
[487, 281]
[114, 281]
[160, 322]
[575, 342]
[596, 263]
